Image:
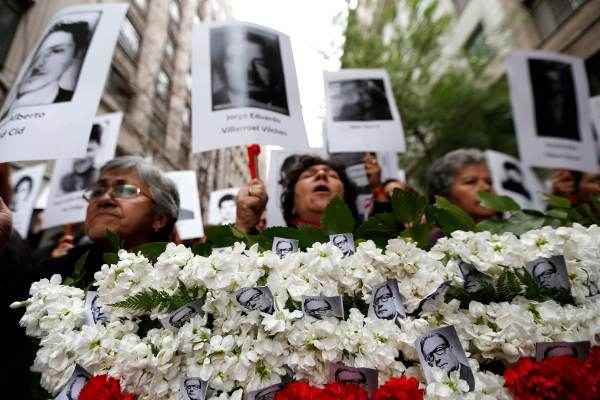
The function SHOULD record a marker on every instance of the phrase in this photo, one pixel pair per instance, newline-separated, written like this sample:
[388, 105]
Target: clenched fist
[251, 201]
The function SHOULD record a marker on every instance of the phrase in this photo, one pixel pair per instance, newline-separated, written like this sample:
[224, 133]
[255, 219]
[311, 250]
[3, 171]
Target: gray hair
[163, 190]
[440, 175]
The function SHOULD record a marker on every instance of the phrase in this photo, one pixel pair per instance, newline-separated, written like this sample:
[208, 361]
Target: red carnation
[103, 387]
[298, 391]
[402, 388]
[342, 391]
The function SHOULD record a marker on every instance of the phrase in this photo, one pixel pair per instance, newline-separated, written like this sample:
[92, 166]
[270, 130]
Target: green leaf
[408, 206]
[151, 250]
[78, 271]
[202, 249]
[337, 217]
[450, 218]
[152, 299]
[114, 241]
[222, 235]
[558, 213]
[380, 228]
[557, 201]
[508, 286]
[110, 258]
[497, 203]
[421, 234]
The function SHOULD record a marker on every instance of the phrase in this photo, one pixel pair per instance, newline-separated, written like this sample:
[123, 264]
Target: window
[117, 86]
[129, 39]
[549, 14]
[476, 47]
[163, 86]
[174, 10]
[11, 12]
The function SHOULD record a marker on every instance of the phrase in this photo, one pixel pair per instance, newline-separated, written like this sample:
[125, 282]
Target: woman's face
[468, 181]
[589, 187]
[315, 188]
[132, 219]
[52, 59]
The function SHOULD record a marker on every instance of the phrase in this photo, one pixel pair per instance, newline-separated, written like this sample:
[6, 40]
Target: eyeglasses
[121, 191]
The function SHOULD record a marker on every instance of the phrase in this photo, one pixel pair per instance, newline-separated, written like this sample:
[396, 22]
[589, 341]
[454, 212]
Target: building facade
[149, 80]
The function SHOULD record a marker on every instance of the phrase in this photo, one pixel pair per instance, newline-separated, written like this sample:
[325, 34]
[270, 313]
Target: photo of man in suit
[84, 171]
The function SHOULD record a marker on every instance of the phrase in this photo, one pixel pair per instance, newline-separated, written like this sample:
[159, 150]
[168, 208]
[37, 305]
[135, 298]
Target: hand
[5, 223]
[563, 183]
[251, 201]
[373, 170]
[65, 244]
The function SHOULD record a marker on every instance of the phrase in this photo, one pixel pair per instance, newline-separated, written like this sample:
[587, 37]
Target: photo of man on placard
[246, 69]
[320, 307]
[387, 301]
[344, 242]
[84, 171]
[550, 273]
[441, 349]
[96, 309]
[473, 279]
[283, 246]
[21, 192]
[52, 75]
[578, 350]
[194, 388]
[365, 377]
[227, 209]
[359, 100]
[555, 100]
[257, 298]
[513, 180]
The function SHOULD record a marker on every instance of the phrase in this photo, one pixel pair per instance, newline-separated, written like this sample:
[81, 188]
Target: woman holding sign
[309, 187]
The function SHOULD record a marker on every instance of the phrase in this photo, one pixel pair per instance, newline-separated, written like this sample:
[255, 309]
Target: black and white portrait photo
[84, 172]
[359, 100]
[222, 206]
[193, 388]
[320, 307]
[284, 246]
[344, 242]
[246, 69]
[74, 385]
[365, 377]
[441, 348]
[513, 180]
[258, 298]
[591, 284]
[21, 193]
[560, 349]
[189, 220]
[52, 75]
[473, 279]
[387, 302]
[555, 99]
[432, 301]
[94, 311]
[182, 315]
[550, 273]
[267, 393]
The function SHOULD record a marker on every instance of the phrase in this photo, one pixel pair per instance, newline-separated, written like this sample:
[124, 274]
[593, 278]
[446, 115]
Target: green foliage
[450, 218]
[497, 203]
[508, 286]
[408, 206]
[151, 299]
[380, 228]
[114, 241]
[78, 271]
[337, 217]
[443, 106]
[150, 250]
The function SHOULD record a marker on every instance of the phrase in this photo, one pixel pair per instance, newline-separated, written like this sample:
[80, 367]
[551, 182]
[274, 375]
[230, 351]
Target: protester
[131, 198]
[588, 188]
[308, 189]
[459, 176]
[564, 184]
[16, 264]
[382, 192]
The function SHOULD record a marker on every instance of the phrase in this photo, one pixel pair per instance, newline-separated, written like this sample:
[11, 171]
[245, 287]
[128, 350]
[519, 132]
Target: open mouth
[321, 189]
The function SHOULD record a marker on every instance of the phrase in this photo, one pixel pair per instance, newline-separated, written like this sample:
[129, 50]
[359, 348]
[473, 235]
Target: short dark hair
[510, 165]
[80, 31]
[430, 336]
[96, 134]
[24, 179]
[227, 197]
[244, 290]
[289, 183]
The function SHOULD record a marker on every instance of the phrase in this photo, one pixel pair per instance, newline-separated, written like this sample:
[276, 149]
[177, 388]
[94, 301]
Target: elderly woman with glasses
[131, 198]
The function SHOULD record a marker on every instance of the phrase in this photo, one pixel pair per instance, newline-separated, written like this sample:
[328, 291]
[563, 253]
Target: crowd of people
[135, 200]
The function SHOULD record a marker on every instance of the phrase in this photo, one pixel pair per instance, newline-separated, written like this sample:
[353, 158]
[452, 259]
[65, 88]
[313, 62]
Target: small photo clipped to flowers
[368, 378]
[257, 298]
[320, 307]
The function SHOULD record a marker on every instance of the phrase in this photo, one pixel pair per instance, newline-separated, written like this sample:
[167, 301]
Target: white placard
[49, 110]
[222, 206]
[361, 112]
[511, 178]
[244, 88]
[26, 184]
[280, 162]
[189, 224]
[595, 113]
[388, 161]
[549, 95]
[72, 177]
